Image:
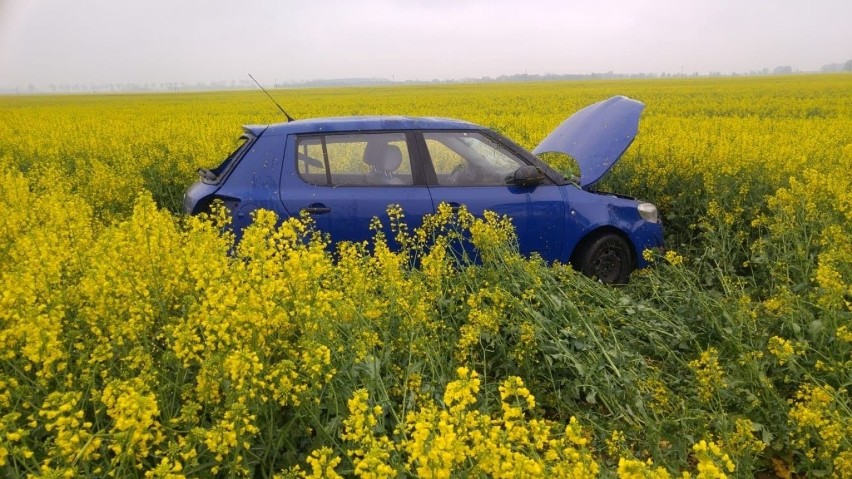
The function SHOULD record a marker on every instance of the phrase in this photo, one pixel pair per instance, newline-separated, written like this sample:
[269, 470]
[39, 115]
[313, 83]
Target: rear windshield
[216, 175]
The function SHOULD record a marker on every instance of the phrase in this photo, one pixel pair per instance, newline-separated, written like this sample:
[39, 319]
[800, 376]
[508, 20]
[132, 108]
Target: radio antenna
[289, 118]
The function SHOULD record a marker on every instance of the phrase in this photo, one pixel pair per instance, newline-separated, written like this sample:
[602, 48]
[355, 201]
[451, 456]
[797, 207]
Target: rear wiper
[206, 174]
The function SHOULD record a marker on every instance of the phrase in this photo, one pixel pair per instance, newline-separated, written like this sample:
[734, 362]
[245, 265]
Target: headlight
[648, 212]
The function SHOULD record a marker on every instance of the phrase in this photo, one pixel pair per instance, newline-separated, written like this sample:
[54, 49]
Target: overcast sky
[47, 42]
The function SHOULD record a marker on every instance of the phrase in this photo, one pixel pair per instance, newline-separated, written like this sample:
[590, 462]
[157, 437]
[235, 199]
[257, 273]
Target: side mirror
[527, 175]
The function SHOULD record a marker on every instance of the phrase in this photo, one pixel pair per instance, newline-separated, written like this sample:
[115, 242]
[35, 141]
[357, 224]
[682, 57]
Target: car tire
[608, 257]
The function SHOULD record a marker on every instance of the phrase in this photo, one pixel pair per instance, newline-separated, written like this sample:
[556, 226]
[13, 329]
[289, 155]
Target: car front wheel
[609, 258]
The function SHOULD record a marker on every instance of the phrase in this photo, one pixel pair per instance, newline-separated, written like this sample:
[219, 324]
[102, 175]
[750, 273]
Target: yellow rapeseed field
[137, 342]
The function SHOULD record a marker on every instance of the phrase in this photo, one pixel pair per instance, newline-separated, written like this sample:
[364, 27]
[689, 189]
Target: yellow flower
[709, 373]
[713, 463]
[673, 258]
[782, 349]
[635, 469]
[323, 462]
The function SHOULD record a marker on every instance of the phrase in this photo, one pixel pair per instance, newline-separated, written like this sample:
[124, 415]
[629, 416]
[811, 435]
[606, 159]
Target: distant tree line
[837, 67]
[514, 78]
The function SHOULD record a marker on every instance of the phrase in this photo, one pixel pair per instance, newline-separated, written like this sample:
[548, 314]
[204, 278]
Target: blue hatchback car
[345, 171]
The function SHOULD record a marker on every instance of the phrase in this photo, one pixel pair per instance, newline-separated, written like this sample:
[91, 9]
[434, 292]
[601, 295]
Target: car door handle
[317, 209]
[454, 205]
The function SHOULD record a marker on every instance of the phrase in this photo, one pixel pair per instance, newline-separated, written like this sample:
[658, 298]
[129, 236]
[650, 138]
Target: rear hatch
[200, 194]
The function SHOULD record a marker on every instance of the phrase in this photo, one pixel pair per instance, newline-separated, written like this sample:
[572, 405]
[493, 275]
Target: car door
[344, 180]
[471, 168]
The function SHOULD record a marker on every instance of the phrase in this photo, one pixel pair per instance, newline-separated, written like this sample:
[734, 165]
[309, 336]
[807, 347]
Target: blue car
[345, 171]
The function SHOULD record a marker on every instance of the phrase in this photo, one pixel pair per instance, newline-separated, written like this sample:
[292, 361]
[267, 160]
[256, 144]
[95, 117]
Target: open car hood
[596, 136]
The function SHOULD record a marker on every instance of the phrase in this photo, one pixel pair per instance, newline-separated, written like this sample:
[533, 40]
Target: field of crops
[140, 343]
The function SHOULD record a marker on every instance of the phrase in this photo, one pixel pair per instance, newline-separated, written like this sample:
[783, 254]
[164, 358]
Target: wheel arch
[597, 233]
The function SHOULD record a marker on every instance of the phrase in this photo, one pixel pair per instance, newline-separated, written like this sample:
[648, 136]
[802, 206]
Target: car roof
[365, 123]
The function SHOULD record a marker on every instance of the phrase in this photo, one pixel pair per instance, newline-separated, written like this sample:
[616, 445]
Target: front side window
[470, 158]
[357, 159]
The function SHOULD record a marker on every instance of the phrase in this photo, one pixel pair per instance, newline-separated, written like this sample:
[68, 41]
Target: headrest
[383, 157]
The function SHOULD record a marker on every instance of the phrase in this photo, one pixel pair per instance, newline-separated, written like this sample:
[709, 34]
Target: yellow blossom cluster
[134, 412]
[713, 462]
[709, 373]
[783, 349]
[820, 428]
[72, 433]
[454, 438]
[636, 469]
[673, 258]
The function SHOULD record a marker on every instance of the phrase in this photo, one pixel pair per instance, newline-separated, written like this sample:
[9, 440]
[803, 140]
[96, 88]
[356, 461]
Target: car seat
[384, 159]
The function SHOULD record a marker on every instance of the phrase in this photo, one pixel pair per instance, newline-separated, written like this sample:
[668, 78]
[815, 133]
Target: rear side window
[356, 159]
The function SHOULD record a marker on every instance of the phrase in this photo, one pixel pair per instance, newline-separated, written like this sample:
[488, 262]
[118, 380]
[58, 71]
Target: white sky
[139, 41]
